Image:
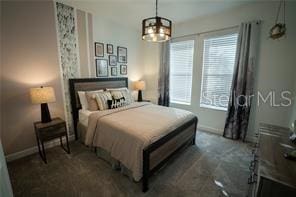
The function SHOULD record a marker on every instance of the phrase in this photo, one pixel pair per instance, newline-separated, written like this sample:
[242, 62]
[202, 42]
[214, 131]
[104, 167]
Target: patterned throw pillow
[102, 99]
[116, 94]
[122, 92]
[115, 103]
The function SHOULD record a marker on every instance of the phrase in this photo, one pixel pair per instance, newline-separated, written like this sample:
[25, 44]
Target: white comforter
[124, 132]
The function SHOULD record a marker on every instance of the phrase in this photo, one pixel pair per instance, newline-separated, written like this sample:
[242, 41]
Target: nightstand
[49, 131]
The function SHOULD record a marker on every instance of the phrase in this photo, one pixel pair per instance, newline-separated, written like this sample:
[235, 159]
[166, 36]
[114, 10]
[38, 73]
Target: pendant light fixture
[156, 29]
[279, 28]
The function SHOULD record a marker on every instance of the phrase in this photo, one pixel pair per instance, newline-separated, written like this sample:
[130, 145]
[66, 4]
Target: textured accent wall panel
[91, 45]
[67, 39]
[82, 43]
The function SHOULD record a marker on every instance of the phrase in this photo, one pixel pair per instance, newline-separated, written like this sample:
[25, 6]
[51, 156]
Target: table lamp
[139, 85]
[43, 95]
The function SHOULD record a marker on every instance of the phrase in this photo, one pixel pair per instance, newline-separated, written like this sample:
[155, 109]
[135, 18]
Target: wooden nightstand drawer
[52, 132]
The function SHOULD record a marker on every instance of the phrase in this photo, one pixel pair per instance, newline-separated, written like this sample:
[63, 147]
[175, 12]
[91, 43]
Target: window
[181, 63]
[218, 64]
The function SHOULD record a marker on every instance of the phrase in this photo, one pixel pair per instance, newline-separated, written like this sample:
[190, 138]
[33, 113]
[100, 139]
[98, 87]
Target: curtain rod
[214, 30]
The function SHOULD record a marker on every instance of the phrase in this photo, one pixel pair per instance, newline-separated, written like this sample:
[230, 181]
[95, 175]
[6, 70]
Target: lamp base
[140, 99]
[45, 115]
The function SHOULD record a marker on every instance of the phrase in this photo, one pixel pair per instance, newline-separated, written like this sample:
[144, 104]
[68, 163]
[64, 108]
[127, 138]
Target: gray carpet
[214, 167]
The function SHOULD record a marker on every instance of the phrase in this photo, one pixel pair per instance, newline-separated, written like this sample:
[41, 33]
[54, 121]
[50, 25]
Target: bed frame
[157, 154]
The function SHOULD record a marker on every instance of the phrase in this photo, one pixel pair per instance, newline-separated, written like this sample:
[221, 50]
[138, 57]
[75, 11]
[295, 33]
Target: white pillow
[83, 100]
[102, 99]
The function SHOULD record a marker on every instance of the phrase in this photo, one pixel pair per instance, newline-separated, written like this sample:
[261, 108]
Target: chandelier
[156, 29]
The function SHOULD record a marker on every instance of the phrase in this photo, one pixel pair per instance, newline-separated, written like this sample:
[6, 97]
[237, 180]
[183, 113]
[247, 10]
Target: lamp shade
[42, 95]
[139, 85]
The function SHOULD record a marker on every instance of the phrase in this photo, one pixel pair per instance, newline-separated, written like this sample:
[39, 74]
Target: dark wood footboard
[158, 153]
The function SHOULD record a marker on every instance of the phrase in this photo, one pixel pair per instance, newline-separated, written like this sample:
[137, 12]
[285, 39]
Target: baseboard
[34, 149]
[250, 139]
[220, 132]
[209, 129]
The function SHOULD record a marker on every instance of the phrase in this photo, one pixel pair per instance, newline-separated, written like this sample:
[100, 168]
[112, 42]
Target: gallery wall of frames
[107, 55]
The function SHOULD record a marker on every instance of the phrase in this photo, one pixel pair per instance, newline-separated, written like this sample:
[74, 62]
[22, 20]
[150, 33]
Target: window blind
[181, 63]
[218, 64]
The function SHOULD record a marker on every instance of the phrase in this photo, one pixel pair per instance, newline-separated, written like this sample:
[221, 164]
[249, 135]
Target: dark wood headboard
[88, 84]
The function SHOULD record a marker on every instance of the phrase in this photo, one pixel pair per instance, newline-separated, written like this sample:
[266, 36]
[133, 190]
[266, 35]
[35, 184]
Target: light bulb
[150, 30]
[161, 30]
[161, 35]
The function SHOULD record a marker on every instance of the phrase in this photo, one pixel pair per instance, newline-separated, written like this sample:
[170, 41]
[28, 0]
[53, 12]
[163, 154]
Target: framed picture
[109, 48]
[113, 71]
[123, 69]
[102, 67]
[112, 60]
[122, 54]
[99, 49]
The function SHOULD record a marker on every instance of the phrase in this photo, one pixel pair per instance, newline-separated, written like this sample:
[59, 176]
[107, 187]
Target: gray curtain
[164, 75]
[236, 125]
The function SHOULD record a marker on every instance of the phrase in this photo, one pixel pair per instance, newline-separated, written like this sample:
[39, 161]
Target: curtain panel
[164, 75]
[239, 106]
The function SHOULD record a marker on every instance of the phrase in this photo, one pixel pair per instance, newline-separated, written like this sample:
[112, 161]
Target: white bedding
[124, 132]
[83, 116]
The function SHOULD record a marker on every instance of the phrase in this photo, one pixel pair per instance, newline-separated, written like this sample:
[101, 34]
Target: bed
[142, 136]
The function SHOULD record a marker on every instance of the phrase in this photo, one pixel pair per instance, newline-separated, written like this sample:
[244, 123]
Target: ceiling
[132, 12]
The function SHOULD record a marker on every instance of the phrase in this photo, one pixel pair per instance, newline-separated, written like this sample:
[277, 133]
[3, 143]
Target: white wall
[111, 33]
[276, 61]
[29, 58]
[275, 70]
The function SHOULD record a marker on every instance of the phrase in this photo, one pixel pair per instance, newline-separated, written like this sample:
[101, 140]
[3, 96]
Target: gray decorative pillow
[102, 98]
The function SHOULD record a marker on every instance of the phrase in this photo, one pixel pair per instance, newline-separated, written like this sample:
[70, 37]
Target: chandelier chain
[281, 4]
[156, 7]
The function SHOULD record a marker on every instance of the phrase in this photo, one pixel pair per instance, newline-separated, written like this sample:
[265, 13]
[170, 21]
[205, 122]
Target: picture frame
[102, 68]
[123, 69]
[113, 71]
[110, 48]
[122, 54]
[99, 49]
[112, 60]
